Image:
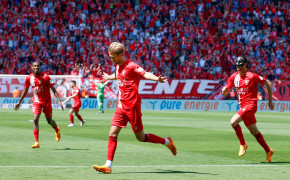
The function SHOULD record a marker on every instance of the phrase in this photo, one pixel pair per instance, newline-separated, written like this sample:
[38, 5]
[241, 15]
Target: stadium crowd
[182, 39]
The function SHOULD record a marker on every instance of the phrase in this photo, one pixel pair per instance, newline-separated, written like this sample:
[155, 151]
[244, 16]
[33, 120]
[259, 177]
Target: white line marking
[156, 166]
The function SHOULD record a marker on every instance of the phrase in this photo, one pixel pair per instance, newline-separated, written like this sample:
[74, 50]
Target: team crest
[247, 82]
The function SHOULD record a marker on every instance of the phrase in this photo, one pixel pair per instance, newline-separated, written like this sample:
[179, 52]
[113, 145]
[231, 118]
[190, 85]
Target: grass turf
[207, 147]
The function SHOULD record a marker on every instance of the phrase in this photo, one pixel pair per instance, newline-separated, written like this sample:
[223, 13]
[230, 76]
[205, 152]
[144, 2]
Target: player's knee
[254, 132]
[35, 121]
[113, 135]
[233, 124]
[140, 138]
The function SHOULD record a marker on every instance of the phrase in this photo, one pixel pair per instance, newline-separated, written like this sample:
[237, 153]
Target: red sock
[36, 133]
[262, 142]
[112, 146]
[154, 139]
[80, 118]
[71, 117]
[56, 128]
[240, 135]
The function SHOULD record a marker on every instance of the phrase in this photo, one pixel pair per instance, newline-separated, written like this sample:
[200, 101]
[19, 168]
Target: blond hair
[117, 48]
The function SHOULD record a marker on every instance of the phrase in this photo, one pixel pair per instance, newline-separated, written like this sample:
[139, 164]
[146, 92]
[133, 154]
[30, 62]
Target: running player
[100, 96]
[76, 95]
[246, 84]
[41, 85]
[128, 75]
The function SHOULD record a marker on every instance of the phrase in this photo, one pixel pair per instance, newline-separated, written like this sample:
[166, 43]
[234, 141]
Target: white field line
[158, 166]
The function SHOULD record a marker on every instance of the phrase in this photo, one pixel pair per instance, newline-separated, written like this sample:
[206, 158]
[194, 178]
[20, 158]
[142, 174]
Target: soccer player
[41, 85]
[100, 96]
[76, 95]
[128, 75]
[246, 84]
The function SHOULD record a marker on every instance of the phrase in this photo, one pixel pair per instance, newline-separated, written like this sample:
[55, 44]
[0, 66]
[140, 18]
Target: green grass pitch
[207, 147]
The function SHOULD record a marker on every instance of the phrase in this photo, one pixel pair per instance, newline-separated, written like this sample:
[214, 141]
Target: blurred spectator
[259, 96]
[16, 92]
[167, 37]
[233, 94]
[85, 93]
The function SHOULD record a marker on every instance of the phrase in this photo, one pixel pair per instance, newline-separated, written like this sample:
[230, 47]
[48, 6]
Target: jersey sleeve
[230, 83]
[27, 82]
[259, 79]
[139, 70]
[50, 83]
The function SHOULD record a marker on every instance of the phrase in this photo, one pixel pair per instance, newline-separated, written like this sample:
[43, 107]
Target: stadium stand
[182, 39]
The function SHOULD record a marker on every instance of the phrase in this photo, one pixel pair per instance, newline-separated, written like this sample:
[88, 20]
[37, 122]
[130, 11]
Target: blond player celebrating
[246, 84]
[128, 109]
[41, 85]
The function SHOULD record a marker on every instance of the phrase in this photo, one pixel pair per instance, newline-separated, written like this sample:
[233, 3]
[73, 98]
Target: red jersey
[128, 75]
[41, 85]
[246, 87]
[77, 98]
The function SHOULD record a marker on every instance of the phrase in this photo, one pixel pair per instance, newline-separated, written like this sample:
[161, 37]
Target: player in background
[41, 85]
[246, 84]
[100, 96]
[76, 95]
[128, 75]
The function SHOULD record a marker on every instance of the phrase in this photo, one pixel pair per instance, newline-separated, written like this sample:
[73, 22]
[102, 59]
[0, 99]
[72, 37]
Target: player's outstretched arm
[57, 96]
[269, 88]
[152, 77]
[67, 99]
[24, 93]
[225, 90]
[109, 77]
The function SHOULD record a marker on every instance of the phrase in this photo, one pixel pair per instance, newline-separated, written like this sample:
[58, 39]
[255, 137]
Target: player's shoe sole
[57, 135]
[70, 125]
[171, 146]
[243, 149]
[103, 169]
[269, 155]
[35, 145]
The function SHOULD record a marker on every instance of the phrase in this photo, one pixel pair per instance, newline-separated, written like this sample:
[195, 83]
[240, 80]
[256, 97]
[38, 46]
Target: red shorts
[76, 108]
[248, 115]
[122, 116]
[47, 109]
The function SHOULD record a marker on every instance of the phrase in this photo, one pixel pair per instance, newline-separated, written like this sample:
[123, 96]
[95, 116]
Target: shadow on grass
[277, 162]
[69, 149]
[162, 171]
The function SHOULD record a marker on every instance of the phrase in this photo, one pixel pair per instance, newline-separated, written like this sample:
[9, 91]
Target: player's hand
[105, 76]
[162, 79]
[60, 103]
[16, 107]
[271, 105]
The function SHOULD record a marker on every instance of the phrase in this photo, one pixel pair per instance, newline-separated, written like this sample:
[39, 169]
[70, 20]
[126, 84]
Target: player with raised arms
[128, 75]
[76, 95]
[246, 84]
[41, 85]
